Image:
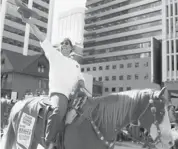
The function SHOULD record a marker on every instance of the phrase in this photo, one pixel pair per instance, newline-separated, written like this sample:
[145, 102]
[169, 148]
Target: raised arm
[47, 47]
[35, 29]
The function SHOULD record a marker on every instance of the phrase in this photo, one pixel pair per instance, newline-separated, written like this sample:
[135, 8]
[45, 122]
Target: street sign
[156, 61]
[14, 95]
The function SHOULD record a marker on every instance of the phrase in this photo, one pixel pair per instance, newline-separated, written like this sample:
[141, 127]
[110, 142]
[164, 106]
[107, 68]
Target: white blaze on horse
[100, 119]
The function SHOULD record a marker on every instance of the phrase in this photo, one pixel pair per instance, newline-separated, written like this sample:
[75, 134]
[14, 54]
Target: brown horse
[103, 117]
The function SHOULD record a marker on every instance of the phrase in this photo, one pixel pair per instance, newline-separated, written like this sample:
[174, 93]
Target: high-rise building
[117, 41]
[70, 25]
[170, 44]
[16, 35]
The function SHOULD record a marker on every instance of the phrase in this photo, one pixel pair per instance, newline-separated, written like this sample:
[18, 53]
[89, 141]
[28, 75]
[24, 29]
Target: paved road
[120, 145]
[127, 145]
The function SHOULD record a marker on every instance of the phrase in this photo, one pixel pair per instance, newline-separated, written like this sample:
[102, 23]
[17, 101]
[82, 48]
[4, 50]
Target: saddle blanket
[26, 125]
[29, 115]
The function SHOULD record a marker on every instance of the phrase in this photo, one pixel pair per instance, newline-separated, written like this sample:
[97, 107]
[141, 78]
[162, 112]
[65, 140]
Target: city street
[119, 145]
[127, 145]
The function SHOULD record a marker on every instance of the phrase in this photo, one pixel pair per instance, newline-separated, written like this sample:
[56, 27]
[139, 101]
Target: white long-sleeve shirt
[64, 72]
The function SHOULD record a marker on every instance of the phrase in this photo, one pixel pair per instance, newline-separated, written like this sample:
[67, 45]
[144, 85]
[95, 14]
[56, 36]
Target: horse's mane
[114, 107]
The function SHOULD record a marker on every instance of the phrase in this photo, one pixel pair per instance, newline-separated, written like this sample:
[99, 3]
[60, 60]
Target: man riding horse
[65, 77]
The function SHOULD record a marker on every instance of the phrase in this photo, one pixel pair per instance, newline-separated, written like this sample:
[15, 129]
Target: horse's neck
[109, 132]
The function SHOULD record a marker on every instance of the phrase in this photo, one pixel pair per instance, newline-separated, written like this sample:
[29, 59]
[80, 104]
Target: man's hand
[29, 21]
[25, 11]
[81, 84]
[34, 28]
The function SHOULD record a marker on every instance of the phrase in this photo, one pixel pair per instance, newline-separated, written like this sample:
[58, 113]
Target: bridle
[151, 105]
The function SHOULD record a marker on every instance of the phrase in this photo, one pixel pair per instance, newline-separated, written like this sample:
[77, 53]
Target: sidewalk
[128, 145]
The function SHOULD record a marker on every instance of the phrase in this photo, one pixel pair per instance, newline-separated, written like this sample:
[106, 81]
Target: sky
[63, 6]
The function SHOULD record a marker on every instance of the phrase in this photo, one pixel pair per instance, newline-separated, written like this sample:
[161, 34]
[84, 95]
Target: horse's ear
[161, 92]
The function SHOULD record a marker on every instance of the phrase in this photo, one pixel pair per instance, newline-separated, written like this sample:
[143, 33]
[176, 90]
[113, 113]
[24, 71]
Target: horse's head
[155, 119]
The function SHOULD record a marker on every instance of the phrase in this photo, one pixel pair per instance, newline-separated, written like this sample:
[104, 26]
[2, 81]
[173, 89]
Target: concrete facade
[15, 34]
[71, 25]
[117, 42]
[170, 44]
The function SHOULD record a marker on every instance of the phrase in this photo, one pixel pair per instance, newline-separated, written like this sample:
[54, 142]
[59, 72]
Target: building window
[40, 84]
[114, 66]
[2, 63]
[121, 89]
[146, 77]
[82, 70]
[4, 78]
[100, 79]
[128, 88]
[128, 77]
[136, 77]
[88, 69]
[129, 65]
[121, 65]
[106, 89]
[113, 78]
[12, 42]
[94, 79]
[34, 48]
[100, 68]
[121, 77]
[113, 89]
[106, 78]
[137, 64]
[43, 84]
[146, 64]
[167, 47]
[94, 68]
[39, 7]
[41, 68]
[107, 67]
[46, 1]
[14, 19]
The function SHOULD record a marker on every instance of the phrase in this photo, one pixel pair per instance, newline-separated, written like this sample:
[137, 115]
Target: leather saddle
[46, 109]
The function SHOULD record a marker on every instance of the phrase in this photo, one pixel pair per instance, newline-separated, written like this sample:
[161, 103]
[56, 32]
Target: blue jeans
[55, 122]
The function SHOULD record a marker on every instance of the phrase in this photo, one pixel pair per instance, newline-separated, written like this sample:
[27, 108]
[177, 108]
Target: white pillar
[2, 19]
[164, 44]
[27, 32]
[50, 19]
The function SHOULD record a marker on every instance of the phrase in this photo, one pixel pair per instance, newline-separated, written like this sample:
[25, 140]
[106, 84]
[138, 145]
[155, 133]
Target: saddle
[73, 111]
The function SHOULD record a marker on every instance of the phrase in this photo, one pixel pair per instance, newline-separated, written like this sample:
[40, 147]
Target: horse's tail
[8, 138]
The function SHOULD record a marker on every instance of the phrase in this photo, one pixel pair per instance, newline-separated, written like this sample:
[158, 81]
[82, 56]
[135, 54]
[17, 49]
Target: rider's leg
[56, 119]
